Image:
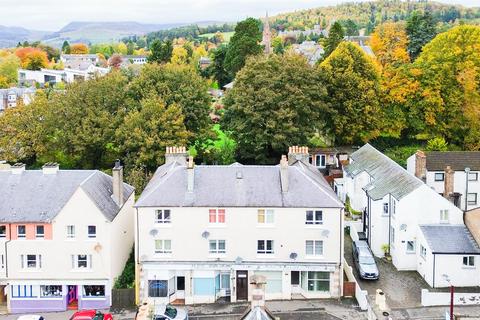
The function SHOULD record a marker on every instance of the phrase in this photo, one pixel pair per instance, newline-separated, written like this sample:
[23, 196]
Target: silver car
[168, 312]
[364, 261]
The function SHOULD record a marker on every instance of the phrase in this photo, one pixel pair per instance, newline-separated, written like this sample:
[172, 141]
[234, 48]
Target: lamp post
[452, 292]
[467, 174]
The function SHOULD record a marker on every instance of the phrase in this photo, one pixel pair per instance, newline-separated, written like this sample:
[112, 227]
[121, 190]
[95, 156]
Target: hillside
[368, 14]
[10, 36]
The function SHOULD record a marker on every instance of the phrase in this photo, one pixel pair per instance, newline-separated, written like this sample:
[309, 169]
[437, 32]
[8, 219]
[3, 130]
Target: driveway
[402, 288]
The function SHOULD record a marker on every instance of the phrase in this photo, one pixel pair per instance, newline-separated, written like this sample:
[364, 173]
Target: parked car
[30, 317]
[91, 315]
[364, 261]
[168, 312]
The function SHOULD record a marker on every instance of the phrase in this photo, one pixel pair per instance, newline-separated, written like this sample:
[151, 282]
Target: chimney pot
[296, 153]
[50, 168]
[176, 154]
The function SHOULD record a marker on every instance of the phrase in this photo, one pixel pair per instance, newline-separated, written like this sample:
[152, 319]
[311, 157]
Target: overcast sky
[54, 14]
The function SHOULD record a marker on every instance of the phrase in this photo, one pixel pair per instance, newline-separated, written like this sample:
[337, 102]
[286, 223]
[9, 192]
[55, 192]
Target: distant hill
[10, 36]
[369, 14]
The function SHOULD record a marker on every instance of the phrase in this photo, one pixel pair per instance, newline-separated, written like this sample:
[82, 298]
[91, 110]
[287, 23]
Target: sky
[51, 15]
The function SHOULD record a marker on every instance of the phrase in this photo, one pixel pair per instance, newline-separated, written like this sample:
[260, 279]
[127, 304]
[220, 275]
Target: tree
[389, 43]
[53, 54]
[335, 36]
[217, 68]
[421, 30]
[276, 102]
[277, 44]
[147, 131]
[79, 48]
[437, 144]
[66, 47]
[130, 47]
[352, 81]
[176, 84]
[35, 60]
[351, 28]
[244, 43]
[447, 103]
[115, 61]
[121, 48]
[179, 55]
[9, 66]
[161, 52]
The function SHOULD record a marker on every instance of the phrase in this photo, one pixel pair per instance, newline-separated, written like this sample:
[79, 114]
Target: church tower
[267, 36]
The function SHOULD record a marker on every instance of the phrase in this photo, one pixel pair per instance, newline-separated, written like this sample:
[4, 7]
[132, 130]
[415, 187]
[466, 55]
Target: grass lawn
[226, 35]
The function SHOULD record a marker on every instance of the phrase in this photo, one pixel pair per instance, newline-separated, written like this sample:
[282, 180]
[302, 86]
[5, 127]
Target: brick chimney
[117, 180]
[176, 154]
[448, 183]
[420, 165]
[296, 153]
[284, 173]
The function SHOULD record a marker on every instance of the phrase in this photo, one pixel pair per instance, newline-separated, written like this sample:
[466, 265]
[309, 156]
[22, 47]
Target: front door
[180, 288]
[72, 298]
[242, 285]
[295, 281]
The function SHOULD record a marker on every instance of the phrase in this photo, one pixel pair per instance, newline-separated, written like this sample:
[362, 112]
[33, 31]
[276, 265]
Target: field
[226, 35]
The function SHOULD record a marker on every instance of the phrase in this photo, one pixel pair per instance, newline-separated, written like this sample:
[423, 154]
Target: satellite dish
[293, 255]
[403, 227]
[98, 247]
[325, 233]
[153, 232]
[205, 234]
[238, 260]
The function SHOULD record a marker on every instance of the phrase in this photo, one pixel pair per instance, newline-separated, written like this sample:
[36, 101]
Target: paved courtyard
[402, 288]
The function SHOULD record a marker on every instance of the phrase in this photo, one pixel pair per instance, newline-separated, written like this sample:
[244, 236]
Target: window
[439, 176]
[385, 208]
[70, 232]
[265, 216]
[443, 216]
[314, 247]
[216, 215]
[163, 216]
[50, 291]
[94, 291]
[472, 198]
[423, 252]
[265, 246]
[225, 281]
[316, 281]
[410, 246]
[314, 217]
[22, 291]
[163, 246]
[40, 231]
[473, 176]
[92, 231]
[157, 288]
[21, 231]
[217, 246]
[3, 231]
[31, 261]
[469, 261]
[81, 261]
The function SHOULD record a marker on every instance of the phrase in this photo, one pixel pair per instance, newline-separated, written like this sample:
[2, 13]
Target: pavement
[402, 288]
[315, 309]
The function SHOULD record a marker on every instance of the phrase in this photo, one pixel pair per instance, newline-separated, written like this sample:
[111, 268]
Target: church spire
[267, 36]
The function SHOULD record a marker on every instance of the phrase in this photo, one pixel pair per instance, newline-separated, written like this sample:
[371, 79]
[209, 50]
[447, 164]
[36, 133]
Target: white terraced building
[202, 231]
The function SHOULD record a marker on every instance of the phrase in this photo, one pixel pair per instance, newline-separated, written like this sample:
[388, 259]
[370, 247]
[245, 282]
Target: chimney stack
[258, 291]
[18, 168]
[117, 179]
[420, 165]
[4, 166]
[296, 153]
[50, 168]
[176, 154]
[448, 183]
[190, 174]
[284, 173]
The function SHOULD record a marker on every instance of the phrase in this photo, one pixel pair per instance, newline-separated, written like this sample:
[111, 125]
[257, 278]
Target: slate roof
[36, 197]
[457, 160]
[388, 177]
[453, 239]
[220, 186]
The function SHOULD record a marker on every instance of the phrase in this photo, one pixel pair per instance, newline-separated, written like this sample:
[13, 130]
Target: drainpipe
[6, 249]
[341, 251]
[389, 223]
[433, 286]
[137, 263]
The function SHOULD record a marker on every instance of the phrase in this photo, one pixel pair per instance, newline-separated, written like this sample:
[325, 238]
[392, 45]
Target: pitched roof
[388, 177]
[36, 197]
[454, 239]
[238, 186]
[457, 160]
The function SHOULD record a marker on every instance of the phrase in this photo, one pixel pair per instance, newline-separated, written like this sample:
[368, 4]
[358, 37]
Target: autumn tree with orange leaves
[79, 48]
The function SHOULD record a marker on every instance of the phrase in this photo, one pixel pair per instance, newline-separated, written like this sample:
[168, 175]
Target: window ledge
[265, 256]
[469, 267]
[163, 225]
[217, 225]
[265, 225]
